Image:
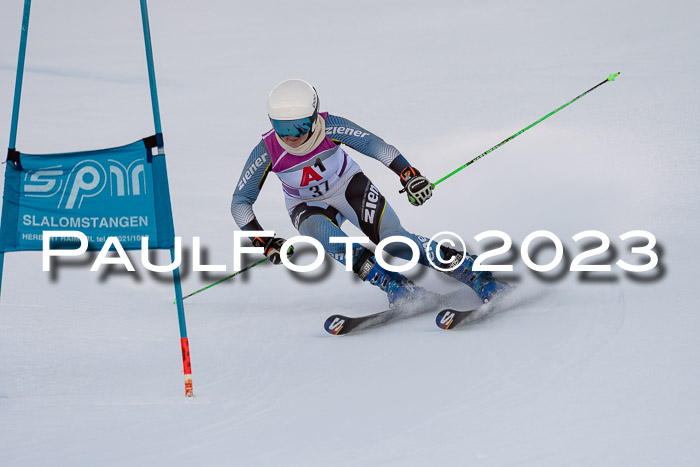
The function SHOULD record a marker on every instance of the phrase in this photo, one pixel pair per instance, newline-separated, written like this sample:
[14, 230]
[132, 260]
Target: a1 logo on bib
[310, 175]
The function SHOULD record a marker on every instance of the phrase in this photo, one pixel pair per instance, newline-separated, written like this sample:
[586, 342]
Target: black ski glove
[272, 246]
[416, 186]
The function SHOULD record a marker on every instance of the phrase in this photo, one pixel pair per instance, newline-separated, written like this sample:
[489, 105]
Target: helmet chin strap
[314, 127]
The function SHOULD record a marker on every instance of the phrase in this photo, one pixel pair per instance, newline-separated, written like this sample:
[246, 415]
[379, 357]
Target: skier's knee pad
[304, 211]
[320, 222]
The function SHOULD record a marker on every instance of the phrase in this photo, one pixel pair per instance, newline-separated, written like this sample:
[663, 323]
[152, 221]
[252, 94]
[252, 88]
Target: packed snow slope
[574, 369]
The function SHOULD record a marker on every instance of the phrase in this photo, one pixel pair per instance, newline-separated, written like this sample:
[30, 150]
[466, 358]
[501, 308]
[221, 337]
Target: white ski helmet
[293, 107]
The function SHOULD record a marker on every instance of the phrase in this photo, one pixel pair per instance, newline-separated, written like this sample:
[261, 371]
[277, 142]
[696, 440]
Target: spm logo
[88, 178]
[104, 193]
[127, 181]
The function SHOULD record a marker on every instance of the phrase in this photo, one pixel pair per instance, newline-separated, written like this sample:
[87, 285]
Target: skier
[323, 187]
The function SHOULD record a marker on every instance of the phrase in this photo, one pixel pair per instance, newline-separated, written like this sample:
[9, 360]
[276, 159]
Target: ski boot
[489, 288]
[483, 283]
[398, 288]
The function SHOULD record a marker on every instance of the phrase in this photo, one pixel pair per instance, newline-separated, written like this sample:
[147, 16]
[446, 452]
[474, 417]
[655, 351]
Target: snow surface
[596, 369]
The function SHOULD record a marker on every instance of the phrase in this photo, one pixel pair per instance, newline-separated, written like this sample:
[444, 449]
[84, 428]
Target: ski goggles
[297, 127]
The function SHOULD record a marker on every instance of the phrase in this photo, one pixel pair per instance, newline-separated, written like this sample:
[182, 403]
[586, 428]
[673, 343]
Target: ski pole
[610, 77]
[224, 279]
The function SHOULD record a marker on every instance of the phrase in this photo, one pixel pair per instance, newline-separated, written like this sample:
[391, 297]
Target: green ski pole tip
[612, 77]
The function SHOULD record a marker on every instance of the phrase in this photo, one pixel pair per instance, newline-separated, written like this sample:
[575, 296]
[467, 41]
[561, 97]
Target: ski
[339, 325]
[449, 318]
